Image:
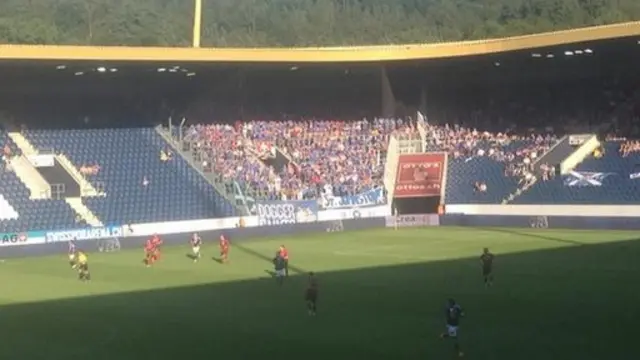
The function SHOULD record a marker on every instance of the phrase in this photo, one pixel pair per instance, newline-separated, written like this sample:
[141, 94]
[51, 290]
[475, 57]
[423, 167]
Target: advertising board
[286, 212]
[420, 175]
[236, 234]
[21, 238]
[412, 220]
[42, 160]
[84, 234]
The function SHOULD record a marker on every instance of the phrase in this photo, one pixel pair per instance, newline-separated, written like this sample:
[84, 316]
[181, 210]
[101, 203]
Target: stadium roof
[321, 55]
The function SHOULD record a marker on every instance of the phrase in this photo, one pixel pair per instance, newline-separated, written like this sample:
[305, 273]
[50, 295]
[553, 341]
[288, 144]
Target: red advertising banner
[420, 175]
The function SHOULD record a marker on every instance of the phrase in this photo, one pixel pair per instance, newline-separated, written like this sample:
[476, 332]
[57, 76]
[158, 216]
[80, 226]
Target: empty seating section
[608, 179]
[140, 187]
[25, 214]
[484, 167]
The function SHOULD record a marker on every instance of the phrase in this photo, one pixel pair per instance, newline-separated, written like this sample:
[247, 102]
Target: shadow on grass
[552, 304]
[537, 235]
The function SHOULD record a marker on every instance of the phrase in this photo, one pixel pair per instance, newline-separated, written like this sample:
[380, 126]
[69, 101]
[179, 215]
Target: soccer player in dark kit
[279, 266]
[311, 295]
[453, 313]
[486, 259]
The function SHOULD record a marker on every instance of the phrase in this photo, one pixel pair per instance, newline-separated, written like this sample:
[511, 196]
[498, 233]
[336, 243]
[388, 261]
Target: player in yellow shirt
[83, 266]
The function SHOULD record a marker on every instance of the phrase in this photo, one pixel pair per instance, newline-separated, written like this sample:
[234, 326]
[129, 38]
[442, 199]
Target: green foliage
[259, 23]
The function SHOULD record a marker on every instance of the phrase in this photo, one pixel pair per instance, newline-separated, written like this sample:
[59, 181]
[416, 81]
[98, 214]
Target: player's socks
[456, 348]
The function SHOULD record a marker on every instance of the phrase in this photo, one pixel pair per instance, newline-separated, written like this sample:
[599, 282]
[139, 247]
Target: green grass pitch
[558, 295]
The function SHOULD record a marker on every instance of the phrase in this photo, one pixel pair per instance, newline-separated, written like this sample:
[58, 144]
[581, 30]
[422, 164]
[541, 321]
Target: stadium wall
[604, 217]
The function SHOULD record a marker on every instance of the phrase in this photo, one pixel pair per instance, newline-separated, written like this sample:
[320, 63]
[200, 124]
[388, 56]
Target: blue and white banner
[367, 198]
[286, 212]
[85, 234]
[585, 179]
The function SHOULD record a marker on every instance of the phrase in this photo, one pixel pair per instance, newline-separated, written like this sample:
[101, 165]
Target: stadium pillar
[423, 101]
[386, 92]
[197, 23]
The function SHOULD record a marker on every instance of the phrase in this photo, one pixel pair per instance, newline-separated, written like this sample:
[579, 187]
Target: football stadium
[173, 189]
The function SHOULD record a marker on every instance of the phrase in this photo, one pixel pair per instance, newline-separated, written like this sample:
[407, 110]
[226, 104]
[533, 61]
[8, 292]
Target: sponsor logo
[85, 234]
[585, 179]
[634, 176]
[413, 220]
[286, 212]
[13, 239]
[420, 175]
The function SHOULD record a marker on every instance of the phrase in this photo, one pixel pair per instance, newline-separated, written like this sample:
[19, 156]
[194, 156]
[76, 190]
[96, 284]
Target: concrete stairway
[86, 189]
[38, 187]
[83, 211]
[23, 144]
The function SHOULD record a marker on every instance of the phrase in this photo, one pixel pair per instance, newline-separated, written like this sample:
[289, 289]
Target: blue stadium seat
[612, 183]
[126, 157]
[464, 172]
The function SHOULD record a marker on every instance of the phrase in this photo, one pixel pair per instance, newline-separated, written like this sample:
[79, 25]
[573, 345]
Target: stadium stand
[18, 212]
[485, 167]
[304, 159]
[141, 180]
[609, 176]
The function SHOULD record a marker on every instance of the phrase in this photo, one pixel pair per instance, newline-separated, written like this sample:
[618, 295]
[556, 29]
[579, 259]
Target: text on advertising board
[368, 198]
[286, 212]
[13, 239]
[419, 175]
[84, 234]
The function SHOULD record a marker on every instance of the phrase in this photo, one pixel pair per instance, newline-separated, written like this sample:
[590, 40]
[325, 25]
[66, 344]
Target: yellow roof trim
[326, 54]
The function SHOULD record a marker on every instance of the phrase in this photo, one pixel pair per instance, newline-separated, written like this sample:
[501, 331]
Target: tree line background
[260, 23]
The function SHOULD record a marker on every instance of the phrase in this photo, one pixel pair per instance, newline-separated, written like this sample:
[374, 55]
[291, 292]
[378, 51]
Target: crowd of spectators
[629, 147]
[329, 158]
[319, 158]
[225, 151]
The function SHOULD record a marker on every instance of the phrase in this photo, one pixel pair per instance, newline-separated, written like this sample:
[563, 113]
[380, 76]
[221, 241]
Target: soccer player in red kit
[284, 253]
[224, 249]
[157, 242]
[149, 252]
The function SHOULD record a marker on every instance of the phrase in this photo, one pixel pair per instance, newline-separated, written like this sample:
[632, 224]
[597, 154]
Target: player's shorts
[280, 273]
[84, 267]
[452, 331]
[487, 270]
[311, 295]
[196, 249]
